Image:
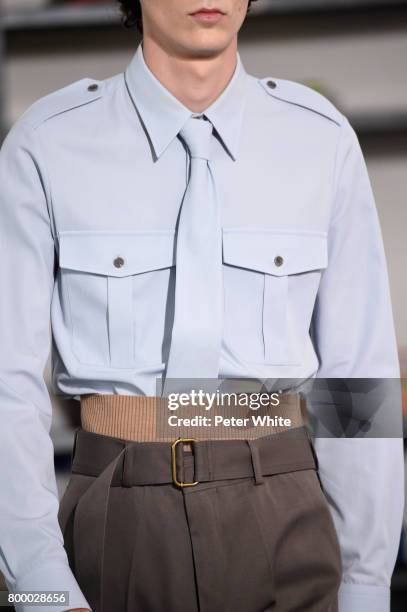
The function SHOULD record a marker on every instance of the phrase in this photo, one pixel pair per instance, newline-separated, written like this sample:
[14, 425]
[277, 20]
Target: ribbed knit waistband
[145, 419]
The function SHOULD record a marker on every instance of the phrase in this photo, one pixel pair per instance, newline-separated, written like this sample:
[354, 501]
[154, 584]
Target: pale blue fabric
[91, 184]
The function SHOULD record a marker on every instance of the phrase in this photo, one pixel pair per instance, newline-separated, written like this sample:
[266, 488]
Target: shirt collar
[163, 115]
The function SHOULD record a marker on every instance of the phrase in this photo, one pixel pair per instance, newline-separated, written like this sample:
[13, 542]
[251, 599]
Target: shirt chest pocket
[271, 279]
[114, 295]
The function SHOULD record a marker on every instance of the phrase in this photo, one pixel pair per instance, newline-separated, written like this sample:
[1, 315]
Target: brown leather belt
[145, 419]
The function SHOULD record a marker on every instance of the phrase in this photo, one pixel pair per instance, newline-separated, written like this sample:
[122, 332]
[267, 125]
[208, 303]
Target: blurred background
[352, 51]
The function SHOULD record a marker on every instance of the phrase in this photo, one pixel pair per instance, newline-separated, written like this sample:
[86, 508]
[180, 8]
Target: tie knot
[197, 135]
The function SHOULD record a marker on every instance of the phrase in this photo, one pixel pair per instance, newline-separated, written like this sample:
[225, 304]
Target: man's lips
[208, 14]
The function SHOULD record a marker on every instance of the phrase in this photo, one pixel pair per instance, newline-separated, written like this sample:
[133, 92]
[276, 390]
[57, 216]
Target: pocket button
[118, 262]
[278, 260]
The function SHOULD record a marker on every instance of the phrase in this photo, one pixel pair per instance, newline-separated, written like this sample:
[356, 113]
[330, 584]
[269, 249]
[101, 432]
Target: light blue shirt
[95, 172]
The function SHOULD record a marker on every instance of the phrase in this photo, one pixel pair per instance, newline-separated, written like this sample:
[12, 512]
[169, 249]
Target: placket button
[278, 260]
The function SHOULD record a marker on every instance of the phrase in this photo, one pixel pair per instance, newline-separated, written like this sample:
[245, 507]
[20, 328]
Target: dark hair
[131, 13]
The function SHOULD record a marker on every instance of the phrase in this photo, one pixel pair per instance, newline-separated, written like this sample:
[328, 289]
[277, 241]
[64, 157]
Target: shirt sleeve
[354, 336]
[32, 555]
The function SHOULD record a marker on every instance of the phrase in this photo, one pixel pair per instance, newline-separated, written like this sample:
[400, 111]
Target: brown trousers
[255, 535]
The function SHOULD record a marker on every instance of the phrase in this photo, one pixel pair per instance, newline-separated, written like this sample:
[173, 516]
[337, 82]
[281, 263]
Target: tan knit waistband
[145, 419]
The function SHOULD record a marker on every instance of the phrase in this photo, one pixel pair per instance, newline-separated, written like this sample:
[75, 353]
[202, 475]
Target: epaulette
[301, 95]
[71, 96]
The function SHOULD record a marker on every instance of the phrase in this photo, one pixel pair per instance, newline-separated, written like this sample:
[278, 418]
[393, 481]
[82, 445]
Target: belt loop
[209, 459]
[314, 453]
[254, 451]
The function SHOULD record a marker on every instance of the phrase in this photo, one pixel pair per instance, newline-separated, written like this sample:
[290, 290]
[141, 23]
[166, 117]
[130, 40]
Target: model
[187, 221]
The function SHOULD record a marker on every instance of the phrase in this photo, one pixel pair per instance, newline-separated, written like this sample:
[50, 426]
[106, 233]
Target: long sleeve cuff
[52, 578]
[363, 598]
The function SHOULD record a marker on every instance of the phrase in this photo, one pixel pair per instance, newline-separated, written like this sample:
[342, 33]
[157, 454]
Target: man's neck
[195, 82]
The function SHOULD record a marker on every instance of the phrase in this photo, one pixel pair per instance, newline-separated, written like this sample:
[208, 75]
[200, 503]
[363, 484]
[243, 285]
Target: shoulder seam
[46, 108]
[35, 125]
[335, 115]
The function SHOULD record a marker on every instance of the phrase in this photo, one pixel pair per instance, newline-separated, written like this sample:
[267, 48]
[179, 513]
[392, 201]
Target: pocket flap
[277, 252]
[118, 253]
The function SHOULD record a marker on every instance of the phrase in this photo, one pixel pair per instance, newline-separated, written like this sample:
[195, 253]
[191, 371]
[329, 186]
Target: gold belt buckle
[174, 463]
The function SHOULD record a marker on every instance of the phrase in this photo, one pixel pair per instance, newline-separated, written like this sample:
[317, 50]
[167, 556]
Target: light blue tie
[196, 334]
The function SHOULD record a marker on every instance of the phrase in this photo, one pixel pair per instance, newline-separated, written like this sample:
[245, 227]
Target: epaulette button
[271, 84]
[93, 87]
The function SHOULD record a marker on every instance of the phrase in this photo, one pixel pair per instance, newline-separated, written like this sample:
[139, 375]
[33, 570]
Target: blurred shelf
[62, 17]
[107, 14]
[378, 124]
[284, 7]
